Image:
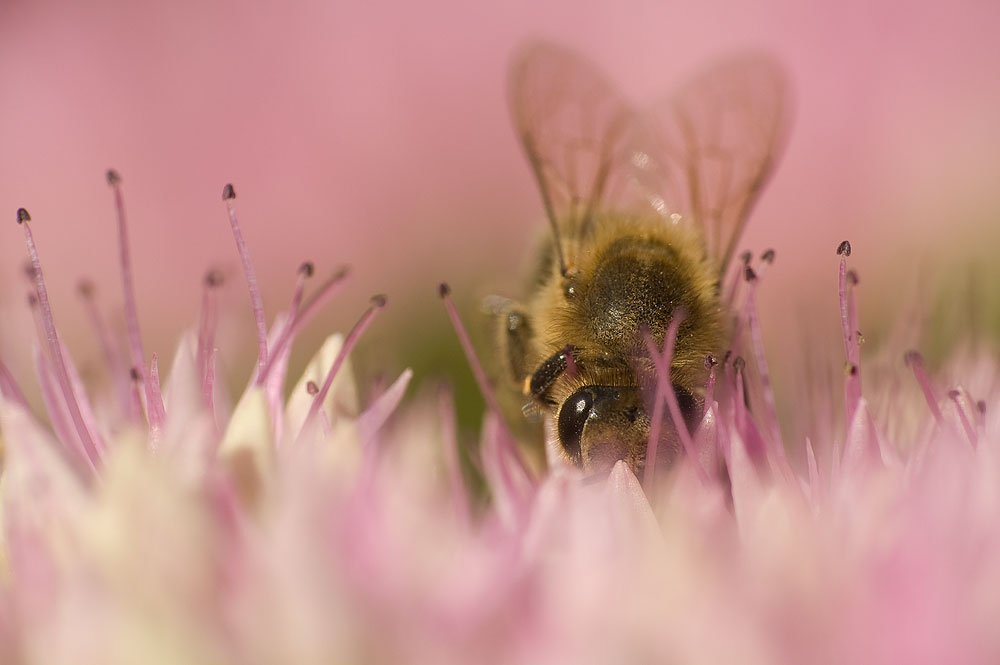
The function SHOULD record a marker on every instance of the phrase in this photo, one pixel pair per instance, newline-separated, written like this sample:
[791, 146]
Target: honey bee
[645, 210]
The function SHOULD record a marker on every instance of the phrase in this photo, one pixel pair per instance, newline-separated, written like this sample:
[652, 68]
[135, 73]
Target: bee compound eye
[573, 415]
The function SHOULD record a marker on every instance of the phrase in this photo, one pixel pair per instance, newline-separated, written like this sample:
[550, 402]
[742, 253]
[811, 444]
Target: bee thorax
[628, 293]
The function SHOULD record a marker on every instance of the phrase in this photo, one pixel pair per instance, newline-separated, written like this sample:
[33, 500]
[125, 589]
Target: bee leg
[546, 374]
[515, 340]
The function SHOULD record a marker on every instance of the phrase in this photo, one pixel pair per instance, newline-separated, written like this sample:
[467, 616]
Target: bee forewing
[705, 151]
[574, 127]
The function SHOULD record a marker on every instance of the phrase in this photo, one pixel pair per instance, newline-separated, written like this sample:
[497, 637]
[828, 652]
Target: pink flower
[156, 523]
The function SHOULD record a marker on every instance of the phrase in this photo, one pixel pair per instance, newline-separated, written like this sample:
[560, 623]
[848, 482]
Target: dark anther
[767, 256]
[444, 290]
[844, 249]
[379, 300]
[913, 358]
[23, 216]
[112, 177]
[228, 192]
[213, 279]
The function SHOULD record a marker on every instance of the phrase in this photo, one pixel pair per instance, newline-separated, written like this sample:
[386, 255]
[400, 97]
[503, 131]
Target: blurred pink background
[376, 134]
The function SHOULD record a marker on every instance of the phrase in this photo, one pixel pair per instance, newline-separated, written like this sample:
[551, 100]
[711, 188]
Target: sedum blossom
[161, 525]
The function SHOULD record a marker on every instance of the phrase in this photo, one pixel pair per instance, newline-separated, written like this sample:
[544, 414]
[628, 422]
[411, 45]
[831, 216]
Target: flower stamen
[378, 302]
[665, 393]
[915, 361]
[207, 324]
[87, 439]
[757, 346]
[9, 388]
[453, 467]
[305, 313]
[711, 362]
[847, 280]
[957, 397]
[444, 291]
[229, 195]
[157, 414]
[116, 368]
[136, 351]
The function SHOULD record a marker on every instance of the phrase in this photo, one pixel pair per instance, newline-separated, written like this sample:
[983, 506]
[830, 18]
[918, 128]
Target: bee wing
[712, 146]
[575, 129]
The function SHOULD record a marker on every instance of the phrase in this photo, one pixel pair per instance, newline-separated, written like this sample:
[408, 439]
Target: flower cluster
[159, 524]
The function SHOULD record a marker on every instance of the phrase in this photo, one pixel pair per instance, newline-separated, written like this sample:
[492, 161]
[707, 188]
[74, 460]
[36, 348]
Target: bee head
[599, 425]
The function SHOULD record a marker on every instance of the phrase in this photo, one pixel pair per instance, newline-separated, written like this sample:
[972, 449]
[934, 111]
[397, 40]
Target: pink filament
[665, 392]
[470, 353]
[71, 450]
[970, 432]
[757, 343]
[157, 414]
[709, 388]
[208, 383]
[131, 312]
[845, 324]
[55, 351]
[304, 314]
[813, 468]
[208, 321]
[119, 377]
[460, 496]
[654, 433]
[916, 363]
[255, 297]
[849, 324]
[352, 338]
[477, 371]
[300, 286]
[58, 412]
[81, 398]
[739, 403]
[9, 388]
